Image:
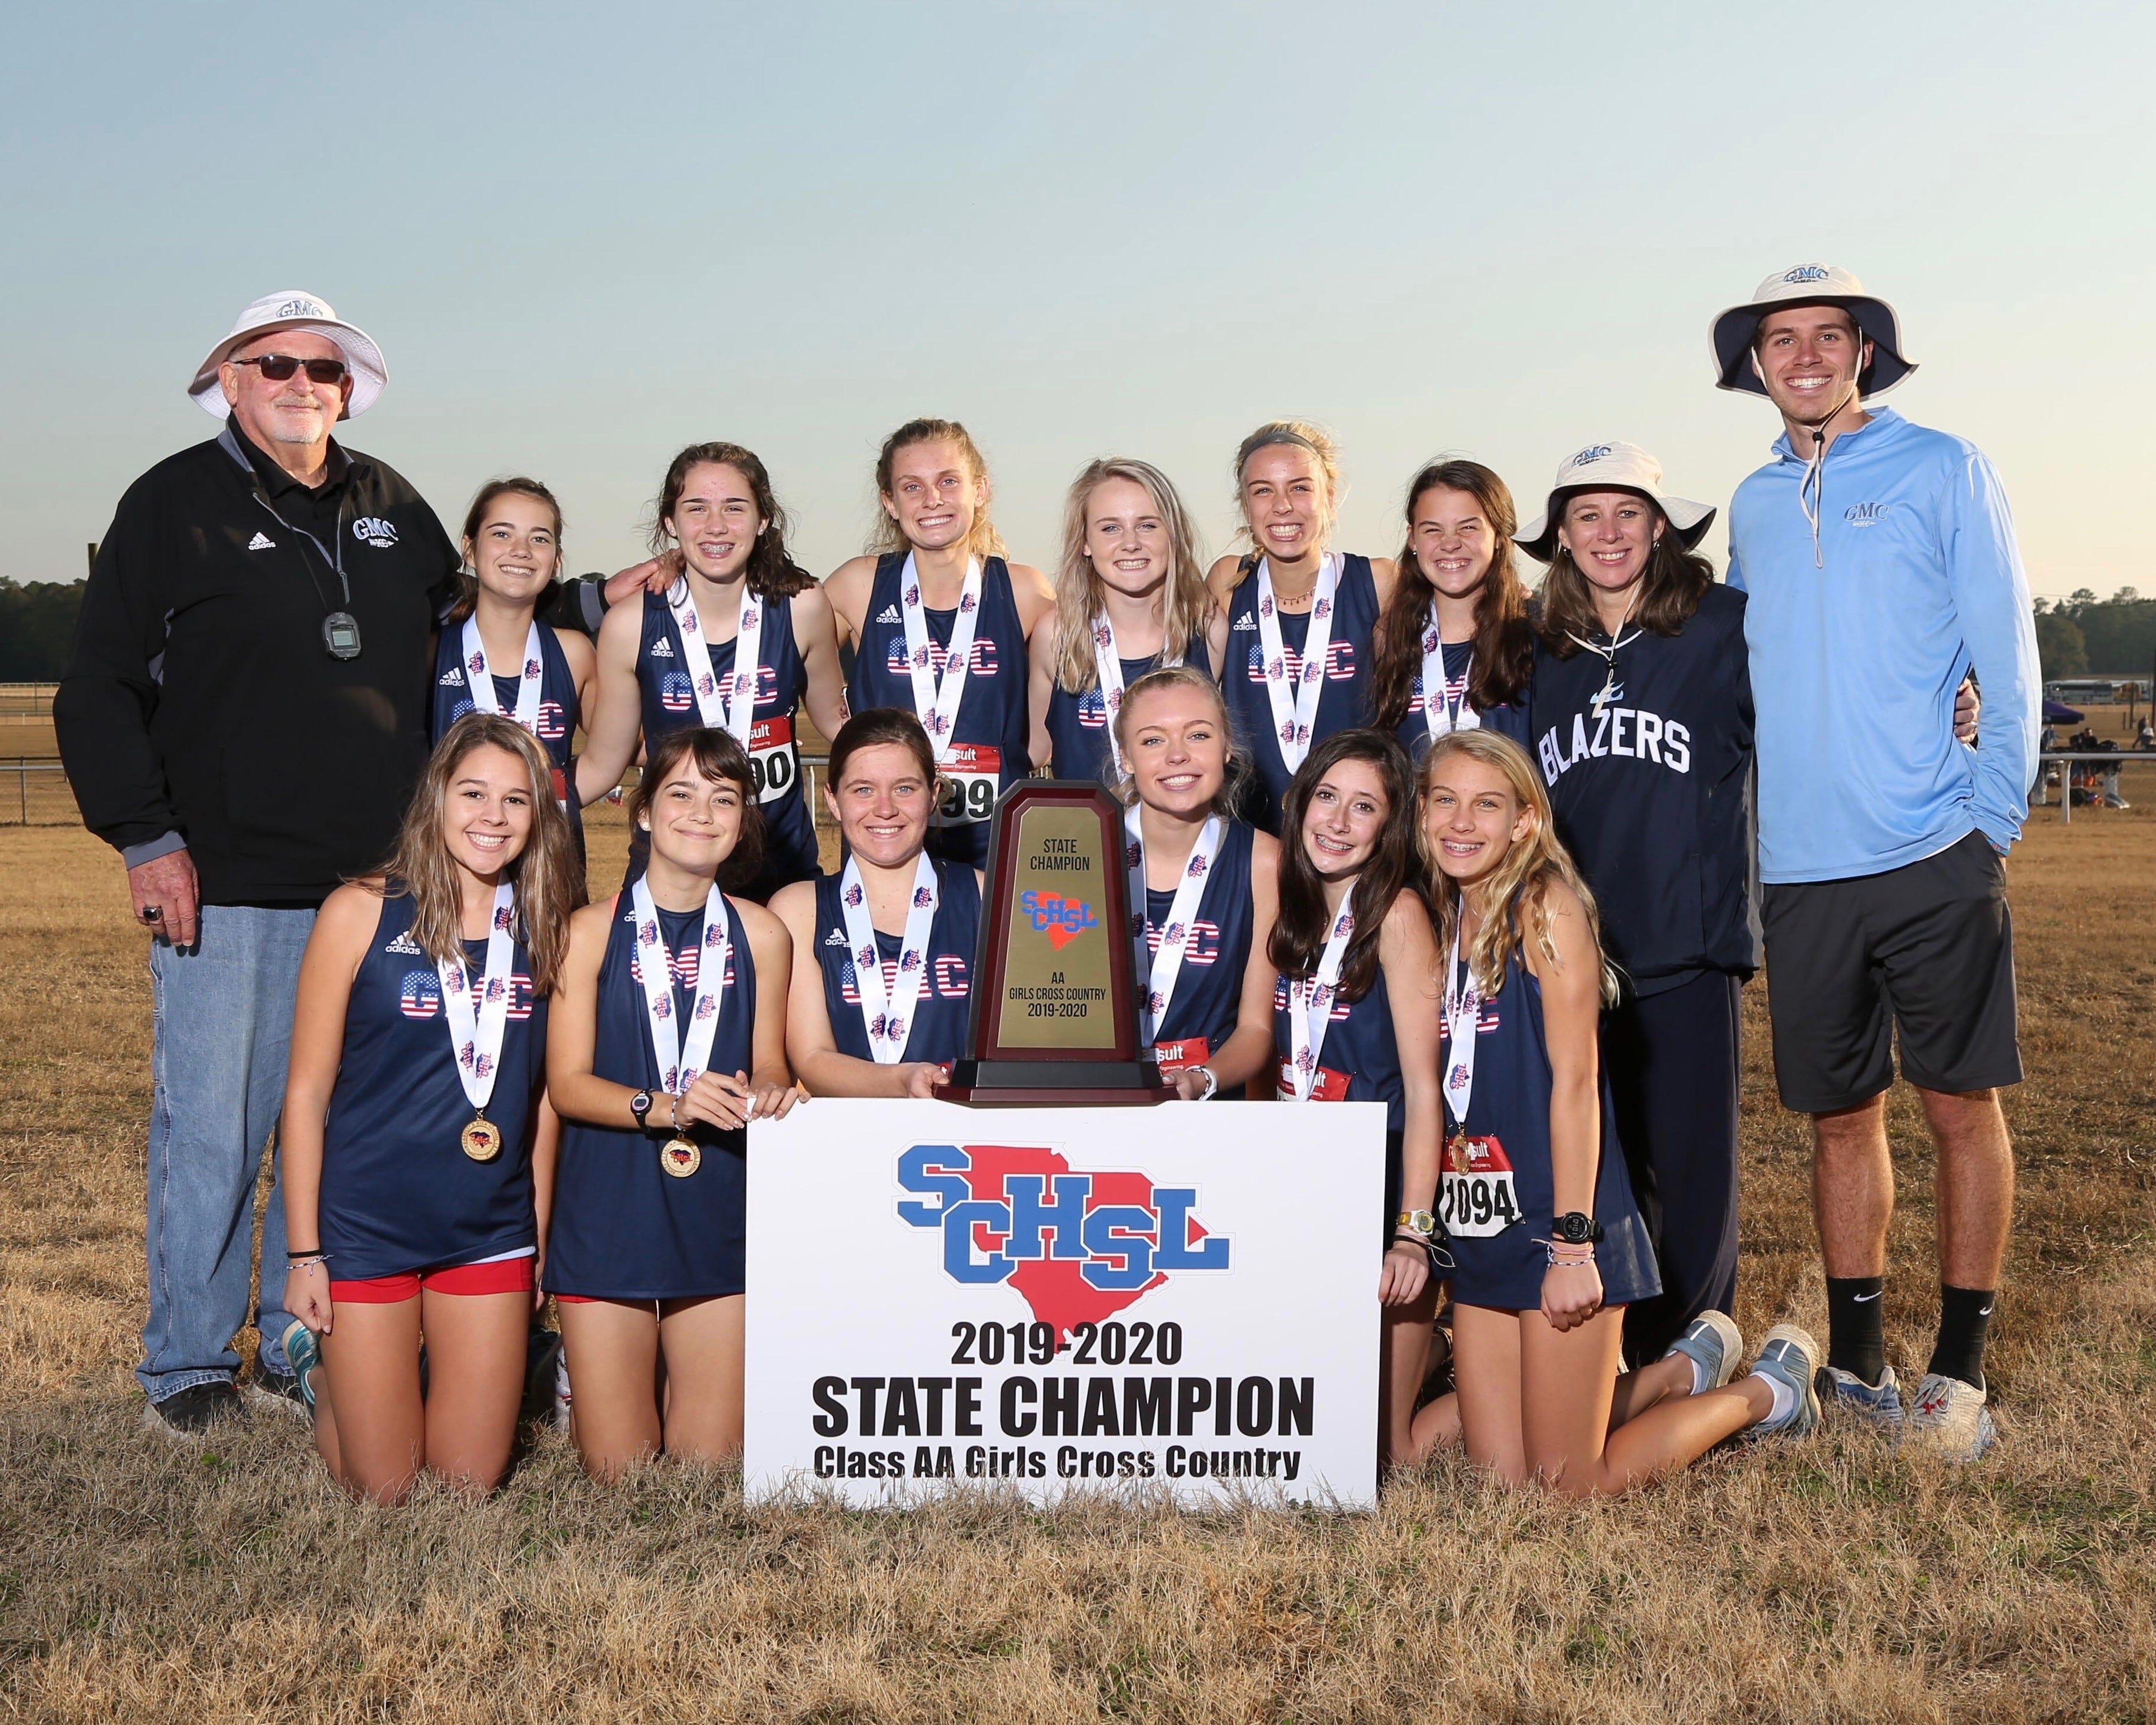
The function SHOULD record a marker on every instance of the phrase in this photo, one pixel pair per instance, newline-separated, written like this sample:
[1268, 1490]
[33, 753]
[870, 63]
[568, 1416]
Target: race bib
[1175, 1057]
[971, 773]
[1327, 1086]
[1475, 1198]
[772, 762]
[562, 786]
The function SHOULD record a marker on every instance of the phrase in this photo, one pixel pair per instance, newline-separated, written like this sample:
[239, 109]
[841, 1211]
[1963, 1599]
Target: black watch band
[639, 1105]
[1576, 1227]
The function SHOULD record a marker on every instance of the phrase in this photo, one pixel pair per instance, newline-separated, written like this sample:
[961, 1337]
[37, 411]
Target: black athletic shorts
[1926, 950]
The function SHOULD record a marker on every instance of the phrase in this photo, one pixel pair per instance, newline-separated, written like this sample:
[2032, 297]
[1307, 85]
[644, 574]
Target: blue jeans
[223, 1037]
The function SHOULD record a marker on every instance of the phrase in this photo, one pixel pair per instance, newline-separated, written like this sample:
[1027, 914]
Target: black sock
[1855, 1342]
[1965, 1316]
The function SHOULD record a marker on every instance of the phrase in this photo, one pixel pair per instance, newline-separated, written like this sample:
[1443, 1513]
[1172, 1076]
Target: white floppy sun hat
[293, 310]
[1730, 336]
[1611, 467]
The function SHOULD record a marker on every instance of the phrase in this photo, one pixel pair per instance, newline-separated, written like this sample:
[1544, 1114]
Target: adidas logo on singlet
[836, 937]
[451, 679]
[1245, 621]
[890, 615]
[662, 648]
[405, 944]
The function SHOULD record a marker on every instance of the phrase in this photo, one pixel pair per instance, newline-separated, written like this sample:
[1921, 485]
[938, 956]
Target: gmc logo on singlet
[551, 726]
[419, 995]
[677, 694]
[1339, 1015]
[981, 662]
[947, 974]
[684, 965]
[1339, 662]
[1202, 947]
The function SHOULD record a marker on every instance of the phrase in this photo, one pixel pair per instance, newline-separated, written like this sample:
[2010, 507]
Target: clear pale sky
[585, 236]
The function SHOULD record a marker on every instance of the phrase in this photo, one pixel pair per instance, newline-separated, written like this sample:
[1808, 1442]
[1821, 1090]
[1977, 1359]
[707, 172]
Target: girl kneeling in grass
[667, 1040]
[414, 1115]
[1546, 1242]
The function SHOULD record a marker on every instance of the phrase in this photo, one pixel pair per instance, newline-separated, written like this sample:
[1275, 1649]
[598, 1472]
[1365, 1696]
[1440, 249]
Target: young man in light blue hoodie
[1881, 564]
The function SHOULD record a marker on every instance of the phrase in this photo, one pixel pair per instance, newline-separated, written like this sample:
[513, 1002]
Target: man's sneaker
[1876, 1404]
[1790, 1357]
[1949, 1418]
[304, 1349]
[1711, 1342]
[194, 1411]
[276, 1393]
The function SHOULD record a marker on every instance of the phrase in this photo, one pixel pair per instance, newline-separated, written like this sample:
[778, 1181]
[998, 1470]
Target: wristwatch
[1212, 1083]
[639, 1105]
[1417, 1222]
[1574, 1228]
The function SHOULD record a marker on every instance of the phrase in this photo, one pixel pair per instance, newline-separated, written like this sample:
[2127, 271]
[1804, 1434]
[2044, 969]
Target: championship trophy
[1054, 1015]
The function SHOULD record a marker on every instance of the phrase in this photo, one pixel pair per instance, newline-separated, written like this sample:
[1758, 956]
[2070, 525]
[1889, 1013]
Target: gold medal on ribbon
[1455, 1154]
[680, 1158]
[481, 1139]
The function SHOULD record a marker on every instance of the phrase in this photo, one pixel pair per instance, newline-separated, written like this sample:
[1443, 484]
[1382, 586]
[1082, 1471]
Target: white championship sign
[1180, 1299]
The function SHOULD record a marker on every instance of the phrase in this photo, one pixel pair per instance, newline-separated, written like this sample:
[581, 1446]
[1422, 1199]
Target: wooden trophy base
[1055, 1084]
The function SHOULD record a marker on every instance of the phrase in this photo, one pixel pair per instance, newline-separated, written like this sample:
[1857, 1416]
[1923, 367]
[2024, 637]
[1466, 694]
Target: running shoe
[1949, 1420]
[1790, 1357]
[1876, 1404]
[1712, 1342]
[304, 1349]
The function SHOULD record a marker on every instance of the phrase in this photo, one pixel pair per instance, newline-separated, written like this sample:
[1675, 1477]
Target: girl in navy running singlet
[1356, 1014]
[494, 656]
[668, 1038]
[937, 577]
[1302, 619]
[415, 1117]
[1455, 649]
[883, 951]
[1206, 883]
[1130, 596]
[1547, 1244]
[676, 657]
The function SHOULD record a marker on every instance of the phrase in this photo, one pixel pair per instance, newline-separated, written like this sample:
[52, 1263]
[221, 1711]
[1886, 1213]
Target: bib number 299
[971, 774]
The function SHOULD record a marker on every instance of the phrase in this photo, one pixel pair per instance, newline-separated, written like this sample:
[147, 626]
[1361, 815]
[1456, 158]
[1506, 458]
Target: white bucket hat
[1611, 467]
[296, 310]
[1731, 334]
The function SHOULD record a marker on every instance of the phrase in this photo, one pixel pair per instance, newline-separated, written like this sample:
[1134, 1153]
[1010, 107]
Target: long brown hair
[1301, 926]
[721, 759]
[1516, 901]
[1504, 642]
[983, 541]
[1670, 586]
[515, 485]
[772, 573]
[547, 876]
[1185, 604]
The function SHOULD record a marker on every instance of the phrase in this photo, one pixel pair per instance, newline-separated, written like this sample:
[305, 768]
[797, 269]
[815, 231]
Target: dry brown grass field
[141, 1579]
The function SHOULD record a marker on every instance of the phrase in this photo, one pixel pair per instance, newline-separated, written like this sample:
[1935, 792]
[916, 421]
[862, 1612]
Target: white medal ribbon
[1438, 711]
[1109, 664]
[478, 676]
[680, 1060]
[888, 1011]
[477, 1007]
[1295, 714]
[1310, 1003]
[936, 701]
[1463, 1005]
[734, 709]
[1162, 966]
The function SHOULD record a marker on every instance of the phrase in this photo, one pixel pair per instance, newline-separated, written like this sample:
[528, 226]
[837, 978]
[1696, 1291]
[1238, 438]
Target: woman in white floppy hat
[1643, 731]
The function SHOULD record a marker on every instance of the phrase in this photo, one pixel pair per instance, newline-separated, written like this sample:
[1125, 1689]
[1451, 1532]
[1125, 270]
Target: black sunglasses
[279, 367]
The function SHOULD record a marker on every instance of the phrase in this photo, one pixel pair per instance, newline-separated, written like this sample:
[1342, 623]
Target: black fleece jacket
[201, 706]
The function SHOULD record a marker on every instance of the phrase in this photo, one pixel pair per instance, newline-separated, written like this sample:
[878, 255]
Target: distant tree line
[37, 629]
[2084, 635]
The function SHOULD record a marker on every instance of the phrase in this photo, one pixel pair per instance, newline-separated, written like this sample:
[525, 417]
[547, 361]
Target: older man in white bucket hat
[243, 721]
[1881, 564]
